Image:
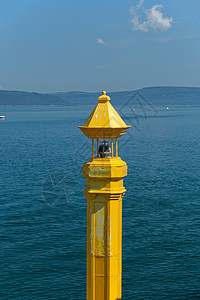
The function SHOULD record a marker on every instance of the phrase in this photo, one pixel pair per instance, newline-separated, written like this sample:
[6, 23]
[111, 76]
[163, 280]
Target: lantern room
[104, 126]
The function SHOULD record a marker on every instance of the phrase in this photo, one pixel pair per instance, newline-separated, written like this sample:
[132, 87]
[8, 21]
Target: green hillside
[153, 95]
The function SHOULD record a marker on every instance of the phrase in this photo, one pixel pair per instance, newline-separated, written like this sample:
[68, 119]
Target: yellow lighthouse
[104, 174]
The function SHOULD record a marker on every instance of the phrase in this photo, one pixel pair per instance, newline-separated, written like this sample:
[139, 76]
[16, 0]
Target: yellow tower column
[104, 191]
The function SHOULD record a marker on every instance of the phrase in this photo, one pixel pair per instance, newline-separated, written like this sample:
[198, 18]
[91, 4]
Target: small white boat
[2, 117]
[167, 107]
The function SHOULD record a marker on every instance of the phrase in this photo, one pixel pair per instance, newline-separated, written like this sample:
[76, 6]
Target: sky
[65, 45]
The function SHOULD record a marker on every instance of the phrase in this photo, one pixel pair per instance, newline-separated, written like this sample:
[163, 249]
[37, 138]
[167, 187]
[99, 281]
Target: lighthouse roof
[104, 121]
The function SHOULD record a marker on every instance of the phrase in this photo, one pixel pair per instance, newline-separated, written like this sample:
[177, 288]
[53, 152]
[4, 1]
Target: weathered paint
[104, 191]
[104, 246]
[104, 194]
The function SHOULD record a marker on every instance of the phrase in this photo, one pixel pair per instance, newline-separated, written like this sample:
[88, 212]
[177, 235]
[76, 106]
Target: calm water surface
[43, 211]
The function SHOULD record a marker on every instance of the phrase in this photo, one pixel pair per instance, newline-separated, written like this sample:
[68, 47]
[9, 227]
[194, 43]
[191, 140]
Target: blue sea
[43, 209]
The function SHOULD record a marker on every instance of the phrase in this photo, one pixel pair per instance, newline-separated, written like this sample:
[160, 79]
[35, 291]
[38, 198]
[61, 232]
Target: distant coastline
[154, 95]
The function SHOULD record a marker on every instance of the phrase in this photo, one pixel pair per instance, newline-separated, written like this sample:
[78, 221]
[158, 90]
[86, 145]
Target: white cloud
[154, 18]
[140, 4]
[100, 41]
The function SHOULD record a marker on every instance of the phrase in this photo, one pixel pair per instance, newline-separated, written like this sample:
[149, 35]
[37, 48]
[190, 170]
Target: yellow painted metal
[116, 148]
[112, 148]
[104, 191]
[97, 147]
[93, 148]
[104, 121]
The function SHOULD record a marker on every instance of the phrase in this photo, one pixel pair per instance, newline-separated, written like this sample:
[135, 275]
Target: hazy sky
[113, 45]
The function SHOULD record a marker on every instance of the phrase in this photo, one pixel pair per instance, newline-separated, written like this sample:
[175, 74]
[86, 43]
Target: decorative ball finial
[104, 97]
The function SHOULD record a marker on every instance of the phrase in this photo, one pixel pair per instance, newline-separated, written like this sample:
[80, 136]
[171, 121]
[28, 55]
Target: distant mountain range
[154, 95]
